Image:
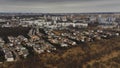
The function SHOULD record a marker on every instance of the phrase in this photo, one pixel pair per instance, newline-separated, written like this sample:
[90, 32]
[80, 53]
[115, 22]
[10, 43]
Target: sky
[59, 6]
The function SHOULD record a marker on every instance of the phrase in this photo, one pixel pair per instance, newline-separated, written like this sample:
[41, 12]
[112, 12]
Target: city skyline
[59, 6]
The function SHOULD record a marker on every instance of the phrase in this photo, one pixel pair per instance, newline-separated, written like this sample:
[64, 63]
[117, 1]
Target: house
[22, 38]
[2, 42]
[64, 45]
[22, 51]
[8, 55]
[38, 49]
[34, 38]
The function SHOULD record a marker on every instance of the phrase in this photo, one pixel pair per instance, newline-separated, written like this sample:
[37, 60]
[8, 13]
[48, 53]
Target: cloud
[59, 6]
[44, 0]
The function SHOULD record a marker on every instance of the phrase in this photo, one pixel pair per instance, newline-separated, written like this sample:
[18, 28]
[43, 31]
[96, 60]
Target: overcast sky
[59, 6]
